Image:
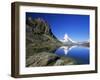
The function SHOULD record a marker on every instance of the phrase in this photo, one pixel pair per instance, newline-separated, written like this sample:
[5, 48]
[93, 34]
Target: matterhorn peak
[67, 40]
[65, 37]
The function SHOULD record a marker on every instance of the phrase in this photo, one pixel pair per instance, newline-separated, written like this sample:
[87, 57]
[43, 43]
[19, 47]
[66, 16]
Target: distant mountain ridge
[67, 41]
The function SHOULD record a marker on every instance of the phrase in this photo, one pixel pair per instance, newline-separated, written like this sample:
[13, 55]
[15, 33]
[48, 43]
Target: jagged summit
[67, 40]
[38, 19]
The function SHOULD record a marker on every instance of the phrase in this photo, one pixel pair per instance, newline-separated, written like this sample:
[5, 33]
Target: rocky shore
[47, 59]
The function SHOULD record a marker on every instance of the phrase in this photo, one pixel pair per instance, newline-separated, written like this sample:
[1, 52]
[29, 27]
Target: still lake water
[78, 53]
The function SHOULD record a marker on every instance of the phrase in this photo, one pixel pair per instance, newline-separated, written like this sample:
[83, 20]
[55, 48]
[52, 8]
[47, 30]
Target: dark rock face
[39, 37]
[38, 26]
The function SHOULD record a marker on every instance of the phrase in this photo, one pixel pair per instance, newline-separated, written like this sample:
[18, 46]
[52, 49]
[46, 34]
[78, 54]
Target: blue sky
[76, 26]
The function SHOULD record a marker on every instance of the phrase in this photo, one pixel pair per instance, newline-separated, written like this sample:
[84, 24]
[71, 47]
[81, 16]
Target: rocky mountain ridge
[40, 45]
[39, 37]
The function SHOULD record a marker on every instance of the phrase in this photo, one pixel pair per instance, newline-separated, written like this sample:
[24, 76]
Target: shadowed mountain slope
[39, 37]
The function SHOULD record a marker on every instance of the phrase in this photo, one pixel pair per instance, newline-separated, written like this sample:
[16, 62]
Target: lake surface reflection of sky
[78, 53]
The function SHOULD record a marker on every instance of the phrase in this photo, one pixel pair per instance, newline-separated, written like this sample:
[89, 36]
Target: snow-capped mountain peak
[67, 38]
[68, 41]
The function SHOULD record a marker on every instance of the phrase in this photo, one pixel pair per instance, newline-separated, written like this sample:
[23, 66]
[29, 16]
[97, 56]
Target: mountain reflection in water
[65, 49]
[78, 53]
